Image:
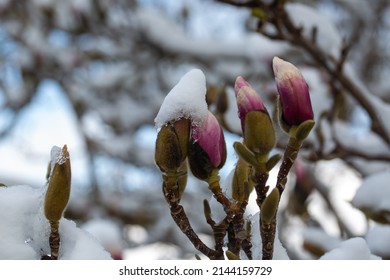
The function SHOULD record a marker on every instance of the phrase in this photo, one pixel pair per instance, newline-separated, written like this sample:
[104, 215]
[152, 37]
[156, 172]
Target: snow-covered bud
[172, 145]
[293, 93]
[247, 100]
[207, 150]
[58, 190]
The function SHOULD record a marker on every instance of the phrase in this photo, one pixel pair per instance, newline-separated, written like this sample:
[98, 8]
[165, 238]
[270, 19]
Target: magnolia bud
[168, 153]
[294, 93]
[259, 135]
[182, 130]
[172, 145]
[257, 128]
[207, 209]
[207, 150]
[58, 190]
[247, 100]
[241, 185]
[270, 206]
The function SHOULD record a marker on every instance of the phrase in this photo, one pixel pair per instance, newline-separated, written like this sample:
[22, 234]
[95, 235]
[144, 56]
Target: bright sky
[46, 122]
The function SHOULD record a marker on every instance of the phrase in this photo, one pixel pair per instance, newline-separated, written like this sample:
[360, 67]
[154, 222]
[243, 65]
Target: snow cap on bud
[293, 92]
[247, 100]
[187, 99]
[207, 150]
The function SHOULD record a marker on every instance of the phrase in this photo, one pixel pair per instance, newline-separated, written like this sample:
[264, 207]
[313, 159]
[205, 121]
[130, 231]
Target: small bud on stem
[294, 94]
[207, 150]
[57, 197]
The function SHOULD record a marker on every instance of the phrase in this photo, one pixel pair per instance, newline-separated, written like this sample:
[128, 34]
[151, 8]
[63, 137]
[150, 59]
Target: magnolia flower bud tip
[277, 60]
[210, 137]
[207, 148]
[240, 83]
[275, 63]
[247, 100]
[293, 91]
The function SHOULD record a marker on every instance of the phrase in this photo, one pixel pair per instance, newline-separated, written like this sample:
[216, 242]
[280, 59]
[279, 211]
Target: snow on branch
[156, 27]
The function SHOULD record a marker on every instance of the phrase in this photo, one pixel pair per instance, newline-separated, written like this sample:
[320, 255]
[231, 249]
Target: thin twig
[180, 217]
[54, 240]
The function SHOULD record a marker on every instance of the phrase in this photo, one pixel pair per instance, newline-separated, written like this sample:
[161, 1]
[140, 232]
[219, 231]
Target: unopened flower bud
[207, 149]
[259, 134]
[247, 100]
[241, 185]
[293, 92]
[58, 190]
[167, 154]
[257, 127]
[270, 206]
[172, 145]
[182, 130]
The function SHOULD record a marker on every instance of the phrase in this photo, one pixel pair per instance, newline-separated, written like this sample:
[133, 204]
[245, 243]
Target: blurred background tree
[93, 73]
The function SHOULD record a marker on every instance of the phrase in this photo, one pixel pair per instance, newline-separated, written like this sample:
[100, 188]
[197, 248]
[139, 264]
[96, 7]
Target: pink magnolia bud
[209, 136]
[207, 147]
[256, 125]
[247, 100]
[293, 91]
